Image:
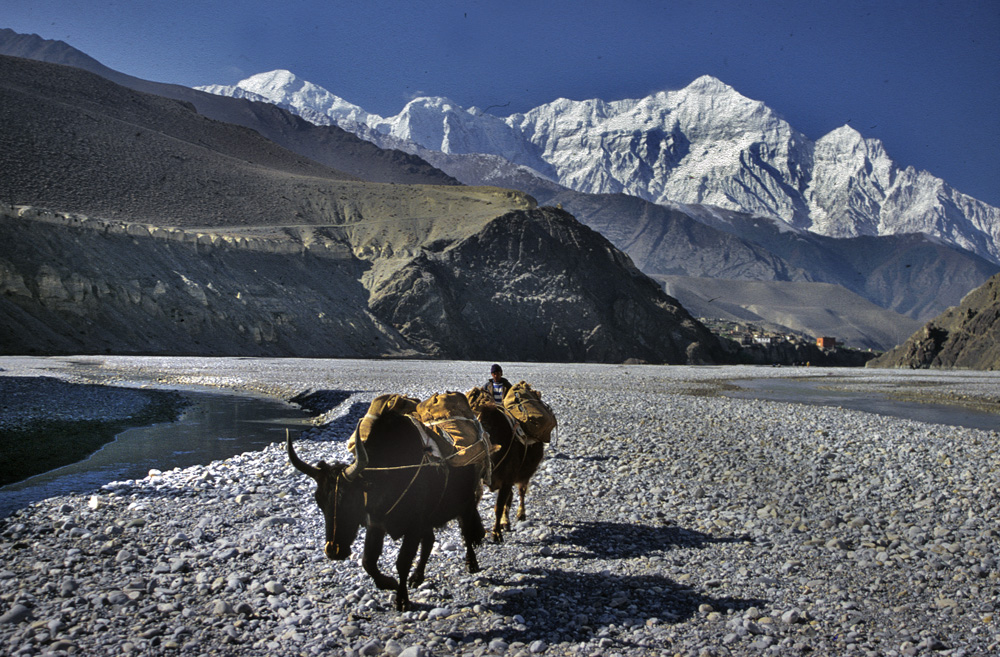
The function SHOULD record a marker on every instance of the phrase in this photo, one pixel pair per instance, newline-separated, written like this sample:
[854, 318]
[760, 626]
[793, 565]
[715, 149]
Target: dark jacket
[503, 382]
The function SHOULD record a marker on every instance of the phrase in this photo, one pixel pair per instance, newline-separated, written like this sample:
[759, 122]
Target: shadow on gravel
[575, 606]
[617, 540]
[321, 401]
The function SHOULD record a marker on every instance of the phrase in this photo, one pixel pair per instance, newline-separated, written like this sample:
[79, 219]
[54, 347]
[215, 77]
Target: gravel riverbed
[663, 521]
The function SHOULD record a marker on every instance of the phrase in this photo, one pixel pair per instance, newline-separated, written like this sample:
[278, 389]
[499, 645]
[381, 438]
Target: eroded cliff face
[965, 337]
[74, 285]
[531, 284]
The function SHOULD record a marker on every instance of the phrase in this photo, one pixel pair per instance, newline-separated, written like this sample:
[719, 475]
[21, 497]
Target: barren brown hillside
[966, 336]
[73, 141]
[329, 145]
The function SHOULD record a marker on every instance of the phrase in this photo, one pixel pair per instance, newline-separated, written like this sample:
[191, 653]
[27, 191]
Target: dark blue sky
[922, 76]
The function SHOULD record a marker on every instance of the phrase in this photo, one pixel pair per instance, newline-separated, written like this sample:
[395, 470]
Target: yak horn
[360, 460]
[299, 464]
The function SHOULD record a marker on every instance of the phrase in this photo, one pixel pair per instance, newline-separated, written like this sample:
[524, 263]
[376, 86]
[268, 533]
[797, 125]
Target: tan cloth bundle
[535, 417]
[480, 399]
[450, 417]
[399, 404]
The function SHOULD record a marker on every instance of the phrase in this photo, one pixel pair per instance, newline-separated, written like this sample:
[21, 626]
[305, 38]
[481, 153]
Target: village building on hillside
[826, 343]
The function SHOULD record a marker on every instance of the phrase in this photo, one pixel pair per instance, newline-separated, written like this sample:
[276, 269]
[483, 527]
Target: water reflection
[213, 427]
[806, 391]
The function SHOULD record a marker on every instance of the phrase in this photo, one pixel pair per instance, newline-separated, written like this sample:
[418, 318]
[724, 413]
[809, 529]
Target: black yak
[513, 463]
[395, 486]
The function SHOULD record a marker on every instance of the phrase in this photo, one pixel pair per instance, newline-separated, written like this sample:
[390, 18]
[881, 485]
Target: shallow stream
[213, 427]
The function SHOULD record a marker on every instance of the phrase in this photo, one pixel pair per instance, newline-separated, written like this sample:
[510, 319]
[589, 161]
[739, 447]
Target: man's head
[496, 371]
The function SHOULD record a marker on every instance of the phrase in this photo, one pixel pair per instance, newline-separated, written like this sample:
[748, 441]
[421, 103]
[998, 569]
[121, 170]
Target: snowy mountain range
[770, 271]
[704, 145]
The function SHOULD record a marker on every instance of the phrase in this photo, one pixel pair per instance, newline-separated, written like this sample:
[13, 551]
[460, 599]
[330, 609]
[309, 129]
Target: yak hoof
[497, 537]
[387, 583]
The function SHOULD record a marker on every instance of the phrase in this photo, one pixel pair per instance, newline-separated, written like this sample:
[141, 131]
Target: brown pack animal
[526, 405]
[513, 463]
[397, 487]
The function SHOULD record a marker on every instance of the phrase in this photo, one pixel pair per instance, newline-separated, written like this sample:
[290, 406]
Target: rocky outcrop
[540, 284]
[964, 337]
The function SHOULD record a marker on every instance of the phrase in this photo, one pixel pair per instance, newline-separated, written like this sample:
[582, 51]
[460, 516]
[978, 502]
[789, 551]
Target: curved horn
[299, 464]
[360, 460]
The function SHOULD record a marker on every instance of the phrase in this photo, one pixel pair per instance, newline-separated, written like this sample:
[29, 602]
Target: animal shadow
[322, 402]
[605, 604]
[618, 540]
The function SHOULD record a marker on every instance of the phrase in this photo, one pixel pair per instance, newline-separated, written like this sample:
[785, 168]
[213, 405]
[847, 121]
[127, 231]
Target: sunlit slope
[813, 309]
[75, 142]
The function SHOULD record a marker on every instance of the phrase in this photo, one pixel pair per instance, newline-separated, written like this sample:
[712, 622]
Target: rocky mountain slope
[328, 145]
[705, 144]
[211, 239]
[911, 275]
[484, 294]
[967, 336]
[86, 286]
[71, 285]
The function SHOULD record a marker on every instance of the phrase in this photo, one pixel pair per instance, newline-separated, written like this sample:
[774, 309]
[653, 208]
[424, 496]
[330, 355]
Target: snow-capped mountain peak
[705, 144]
[709, 84]
[312, 102]
[451, 129]
[845, 133]
[273, 84]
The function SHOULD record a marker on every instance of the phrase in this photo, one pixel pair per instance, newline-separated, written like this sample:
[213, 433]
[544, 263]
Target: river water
[818, 392]
[212, 428]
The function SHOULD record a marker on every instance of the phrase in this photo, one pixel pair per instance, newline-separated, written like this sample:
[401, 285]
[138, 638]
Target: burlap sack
[535, 417]
[478, 398]
[399, 404]
[450, 417]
